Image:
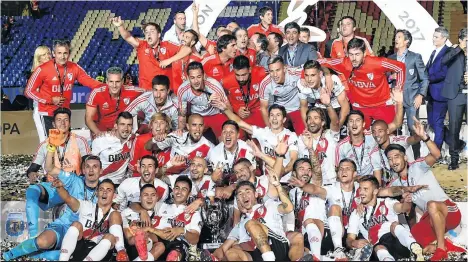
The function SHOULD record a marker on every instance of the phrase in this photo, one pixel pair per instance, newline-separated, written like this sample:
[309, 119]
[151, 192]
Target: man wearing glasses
[50, 86]
[105, 103]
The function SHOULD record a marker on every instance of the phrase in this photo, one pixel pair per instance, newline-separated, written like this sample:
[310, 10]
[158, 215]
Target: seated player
[129, 191]
[98, 229]
[441, 214]
[380, 227]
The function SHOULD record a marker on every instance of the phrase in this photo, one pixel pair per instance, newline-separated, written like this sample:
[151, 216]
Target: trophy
[214, 216]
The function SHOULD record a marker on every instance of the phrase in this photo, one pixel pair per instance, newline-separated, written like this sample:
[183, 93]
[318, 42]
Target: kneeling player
[98, 230]
[379, 226]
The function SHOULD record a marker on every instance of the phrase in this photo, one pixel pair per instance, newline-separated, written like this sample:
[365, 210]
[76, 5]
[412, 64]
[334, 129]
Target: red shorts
[385, 113]
[216, 123]
[423, 232]
[297, 122]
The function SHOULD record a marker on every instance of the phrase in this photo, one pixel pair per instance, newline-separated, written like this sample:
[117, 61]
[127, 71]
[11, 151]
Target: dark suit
[437, 104]
[455, 60]
[304, 53]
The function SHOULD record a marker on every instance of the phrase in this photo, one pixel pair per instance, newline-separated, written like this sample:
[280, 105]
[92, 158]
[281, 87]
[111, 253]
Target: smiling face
[397, 160]
[292, 36]
[241, 39]
[304, 171]
[124, 128]
[148, 198]
[114, 82]
[229, 136]
[356, 124]
[346, 172]
[181, 192]
[267, 18]
[380, 133]
[152, 35]
[243, 172]
[195, 127]
[147, 170]
[367, 192]
[246, 197]
[315, 123]
[313, 77]
[196, 79]
[188, 39]
[304, 37]
[160, 93]
[276, 119]
[198, 168]
[105, 194]
[62, 123]
[277, 72]
[92, 170]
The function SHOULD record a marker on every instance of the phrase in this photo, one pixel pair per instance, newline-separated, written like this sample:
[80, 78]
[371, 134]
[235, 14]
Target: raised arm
[201, 37]
[118, 22]
[326, 100]
[286, 205]
[434, 151]
[71, 202]
[223, 106]
[264, 111]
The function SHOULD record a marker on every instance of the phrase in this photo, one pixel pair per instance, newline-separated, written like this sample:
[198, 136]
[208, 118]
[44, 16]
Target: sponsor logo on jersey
[163, 50]
[215, 71]
[361, 84]
[105, 105]
[119, 156]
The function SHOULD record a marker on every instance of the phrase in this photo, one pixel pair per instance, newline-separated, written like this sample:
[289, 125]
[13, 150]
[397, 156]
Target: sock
[33, 193]
[150, 258]
[269, 256]
[404, 236]
[99, 251]
[51, 255]
[69, 243]
[384, 255]
[116, 230]
[27, 247]
[315, 239]
[336, 229]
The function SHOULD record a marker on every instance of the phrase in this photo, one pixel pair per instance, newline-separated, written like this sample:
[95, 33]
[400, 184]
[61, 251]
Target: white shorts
[315, 210]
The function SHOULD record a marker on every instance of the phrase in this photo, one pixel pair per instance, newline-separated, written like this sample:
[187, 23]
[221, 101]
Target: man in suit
[437, 104]
[416, 81]
[455, 91]
[296, 53]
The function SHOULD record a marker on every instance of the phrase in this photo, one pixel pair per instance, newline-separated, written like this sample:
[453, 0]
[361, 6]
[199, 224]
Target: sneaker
[416, 252]
[308, 257]
[363, 254]
[206, 255]
[339, 254]
[174, 255]
[141, 245]
[439, 255]
[451, 247]
[122, 256]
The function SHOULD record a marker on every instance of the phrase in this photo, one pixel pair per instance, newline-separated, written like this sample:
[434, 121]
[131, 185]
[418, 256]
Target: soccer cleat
[140, 244]
[122, 256]
[339, 254]
[174, 255]
[451, 247]
[439, 255]
[206, 255]
[416, 252]
[364, 253]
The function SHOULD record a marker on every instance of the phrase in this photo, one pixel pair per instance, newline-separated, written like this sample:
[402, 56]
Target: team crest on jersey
[370, 76]
[255, 87]
[105, 105]
[261, 210]
[187, 216]
[70, 76]
[126, 100]
[411, 71]
[215, 71]
[231, 68]
[199, 154]
[163, 50]
[383, 209]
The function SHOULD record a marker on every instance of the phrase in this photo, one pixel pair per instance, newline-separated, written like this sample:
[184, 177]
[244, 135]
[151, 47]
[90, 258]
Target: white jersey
[203, 189]
[367, 161]
[171, 215]
[286, 95]
[420, 173]
[268, 141]
[129, 216]
[313, 95]
[307, 206]
[87, 218]
[183, 145]
[261, 185]
[218, 155]
[114, 156]
[129, 191]
[200, 104]
[348, 201]
[325, 146]
[373, 225]
[145, 103]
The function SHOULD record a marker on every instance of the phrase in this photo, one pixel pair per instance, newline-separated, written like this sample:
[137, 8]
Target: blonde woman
[41, 55]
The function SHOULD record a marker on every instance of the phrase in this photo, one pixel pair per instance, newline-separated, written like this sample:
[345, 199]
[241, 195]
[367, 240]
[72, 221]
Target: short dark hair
[319, 111]
[275, 59]
[407, 35]
[462, 34]
[347, 17]
[244, 183]
[278, 38]
[263, 41]
[147, 186]
[242, 160]
[162, 80]
[185, 179]
[107, 180]
[178, 12]
[370, 178]
[145, 25]
[312, 64]
[348, 160]
[354, 112]
[241, 62]
[395, 147]
[62, 110]
[292, 25]
[62, 42]
[223, 42]
[194, 65]
[124, 115]
[90, 157]
[232, 123]
[305, 30]
[300, 161]
[279, 107]
[357, 43]
[150, 157]
[262, 11]
[195, 34]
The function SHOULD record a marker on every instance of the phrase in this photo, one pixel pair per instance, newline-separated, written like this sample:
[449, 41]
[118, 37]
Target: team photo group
[255, 145]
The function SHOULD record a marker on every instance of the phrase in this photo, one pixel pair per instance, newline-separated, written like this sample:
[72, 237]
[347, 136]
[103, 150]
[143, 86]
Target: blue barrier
[80, 93]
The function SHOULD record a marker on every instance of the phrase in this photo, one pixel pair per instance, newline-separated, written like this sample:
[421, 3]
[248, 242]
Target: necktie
[431, 58]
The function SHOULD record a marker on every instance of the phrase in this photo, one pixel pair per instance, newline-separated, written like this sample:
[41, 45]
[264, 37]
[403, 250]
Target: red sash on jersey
[126, 151]
[375, 222]
[160, 191]
[321, 149]
[202, 190]
[201, 151]
[303, 203]
[181, 220]
[155, 221]
[90, 233]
